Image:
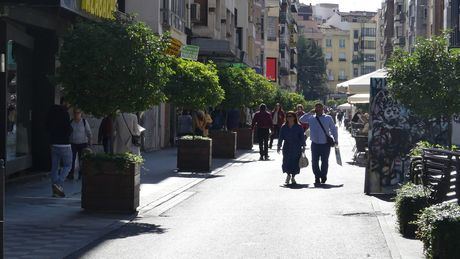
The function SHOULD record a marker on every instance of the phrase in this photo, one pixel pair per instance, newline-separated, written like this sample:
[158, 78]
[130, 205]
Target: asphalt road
[245, 211]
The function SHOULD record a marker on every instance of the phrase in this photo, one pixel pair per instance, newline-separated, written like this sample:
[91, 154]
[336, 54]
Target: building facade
[288, 34]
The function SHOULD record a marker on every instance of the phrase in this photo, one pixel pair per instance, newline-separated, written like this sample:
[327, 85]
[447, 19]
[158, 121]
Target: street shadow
[295, 186]
[358, 162]
[129, 230]
[328, 186]
[384, 197]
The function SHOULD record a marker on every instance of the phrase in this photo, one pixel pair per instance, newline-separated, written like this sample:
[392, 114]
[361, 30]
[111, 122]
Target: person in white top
[79, 139]
[125, 126]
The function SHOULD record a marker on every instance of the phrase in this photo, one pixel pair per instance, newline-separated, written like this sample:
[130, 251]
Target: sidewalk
[40, 226]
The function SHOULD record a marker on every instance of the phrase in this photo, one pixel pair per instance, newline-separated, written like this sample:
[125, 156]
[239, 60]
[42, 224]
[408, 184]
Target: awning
[361, 85]
[359, 98]
[345, 106]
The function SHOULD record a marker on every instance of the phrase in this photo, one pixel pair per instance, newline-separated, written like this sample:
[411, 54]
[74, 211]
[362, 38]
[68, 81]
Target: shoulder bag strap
[327, 135]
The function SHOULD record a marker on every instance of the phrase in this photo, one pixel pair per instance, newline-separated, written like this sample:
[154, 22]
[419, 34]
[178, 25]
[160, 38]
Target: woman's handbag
[303, 161]
[135, 140]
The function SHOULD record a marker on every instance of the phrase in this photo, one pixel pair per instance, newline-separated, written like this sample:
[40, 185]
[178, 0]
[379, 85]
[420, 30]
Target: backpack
[84, 122]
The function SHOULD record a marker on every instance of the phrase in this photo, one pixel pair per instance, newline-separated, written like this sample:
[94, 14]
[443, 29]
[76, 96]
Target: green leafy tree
[262, 91]
[311, 69]
[194, 85]
[427, 81]
[113, 65]
[288, 100]
[238, 86]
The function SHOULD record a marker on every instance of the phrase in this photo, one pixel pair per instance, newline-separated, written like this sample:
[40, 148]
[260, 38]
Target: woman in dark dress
[292, 141]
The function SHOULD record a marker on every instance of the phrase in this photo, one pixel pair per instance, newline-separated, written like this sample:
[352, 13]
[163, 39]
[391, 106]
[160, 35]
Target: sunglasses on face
[289, 116]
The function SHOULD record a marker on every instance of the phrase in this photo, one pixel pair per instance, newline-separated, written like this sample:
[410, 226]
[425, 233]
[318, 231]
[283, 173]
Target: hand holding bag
[329, 139]
[303, 161]
[135, 140]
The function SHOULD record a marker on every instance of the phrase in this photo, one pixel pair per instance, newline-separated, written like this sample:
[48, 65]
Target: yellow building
[337, 52]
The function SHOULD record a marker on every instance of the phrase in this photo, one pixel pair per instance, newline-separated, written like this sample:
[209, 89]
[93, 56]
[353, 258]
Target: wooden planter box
[107, 186]
[194, 155]
[244, 138]
[224, 144]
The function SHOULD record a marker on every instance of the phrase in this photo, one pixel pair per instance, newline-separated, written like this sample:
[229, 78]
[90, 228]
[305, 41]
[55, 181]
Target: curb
[386, 230]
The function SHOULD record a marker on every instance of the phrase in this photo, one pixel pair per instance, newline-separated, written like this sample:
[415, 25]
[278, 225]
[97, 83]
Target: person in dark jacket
[278, 118]
[263, 121]
[105, 135]
[59, 129]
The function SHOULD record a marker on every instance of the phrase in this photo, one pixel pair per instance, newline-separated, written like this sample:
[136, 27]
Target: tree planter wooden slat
[224, 144]
[107, 186]
[194, 155]
[244, 138]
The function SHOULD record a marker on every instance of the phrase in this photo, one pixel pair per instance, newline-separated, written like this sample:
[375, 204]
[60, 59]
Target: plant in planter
[410, 200]
[439, 229]
[194, 85]
[125, 75]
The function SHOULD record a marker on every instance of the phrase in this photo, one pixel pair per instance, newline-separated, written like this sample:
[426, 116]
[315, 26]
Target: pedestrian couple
[292, 140]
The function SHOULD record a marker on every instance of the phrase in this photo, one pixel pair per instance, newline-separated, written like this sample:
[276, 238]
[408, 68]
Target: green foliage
[439, 229]
[417, 150]
[288, 100]
[120, 160]
[193, 85]
[263, 90]
[311, 69]
[238, 86]
[427, 81]
[113, 65]
[410, 200]
[335, 103]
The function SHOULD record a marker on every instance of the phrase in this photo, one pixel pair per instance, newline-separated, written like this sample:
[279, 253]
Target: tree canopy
[427, 81]
[113, 65]
[311, 69]
[262, 91]
[194, 85]
[238, 86]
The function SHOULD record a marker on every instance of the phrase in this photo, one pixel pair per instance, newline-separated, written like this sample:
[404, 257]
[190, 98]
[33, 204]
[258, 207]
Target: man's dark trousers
[77, 149]
[262, 136]
[320, 151]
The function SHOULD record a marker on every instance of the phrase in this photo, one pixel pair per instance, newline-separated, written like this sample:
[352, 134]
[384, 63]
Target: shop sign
[189, 52]
[174, 48]
[98, 8]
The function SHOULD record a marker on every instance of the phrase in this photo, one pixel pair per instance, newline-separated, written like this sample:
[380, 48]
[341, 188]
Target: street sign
[189, 52]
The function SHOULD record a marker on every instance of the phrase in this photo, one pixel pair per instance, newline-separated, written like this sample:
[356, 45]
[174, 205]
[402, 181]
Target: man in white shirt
[80, 139]
[320, 126]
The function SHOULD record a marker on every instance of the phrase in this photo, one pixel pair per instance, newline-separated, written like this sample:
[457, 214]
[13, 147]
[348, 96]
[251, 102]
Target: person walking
[300, 112]
[59, 129]
[263, 121]
[184, 124]
[292, 141]
[340, 117]
[126, 127]
[321, 128]
[79, 139]
[278, 117]
[105, 134]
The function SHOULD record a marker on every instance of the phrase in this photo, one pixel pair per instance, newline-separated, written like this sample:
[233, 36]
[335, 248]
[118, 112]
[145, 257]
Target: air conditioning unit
[195, 12]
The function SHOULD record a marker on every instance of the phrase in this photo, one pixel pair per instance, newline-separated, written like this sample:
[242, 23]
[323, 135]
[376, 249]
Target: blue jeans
[61, 163]
[320, 151]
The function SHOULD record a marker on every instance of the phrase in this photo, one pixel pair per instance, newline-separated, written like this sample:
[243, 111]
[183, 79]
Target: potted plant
[111, 182]
[411, 199]
[125, 75]
[439, 229]
[194, 85]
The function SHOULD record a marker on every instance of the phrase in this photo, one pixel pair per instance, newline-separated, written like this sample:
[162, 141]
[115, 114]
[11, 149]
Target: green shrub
[193, 137]
[439, 229]
[120, 161]
[418, 149]
[410, 200]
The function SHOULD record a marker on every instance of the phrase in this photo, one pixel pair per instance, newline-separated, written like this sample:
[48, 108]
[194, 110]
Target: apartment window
[356, 46]
[342, 56]
[356, 34]
[328, 56]
[368, 44]
[329, 43]
[342, 76]
[367, 69]
[342, 43]
[330, 75]
[369, 32]
[355, 72]
[369, 57]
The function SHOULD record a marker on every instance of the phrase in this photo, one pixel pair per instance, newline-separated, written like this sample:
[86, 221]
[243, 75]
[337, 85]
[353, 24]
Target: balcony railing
[171, 19]
[342, 78]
